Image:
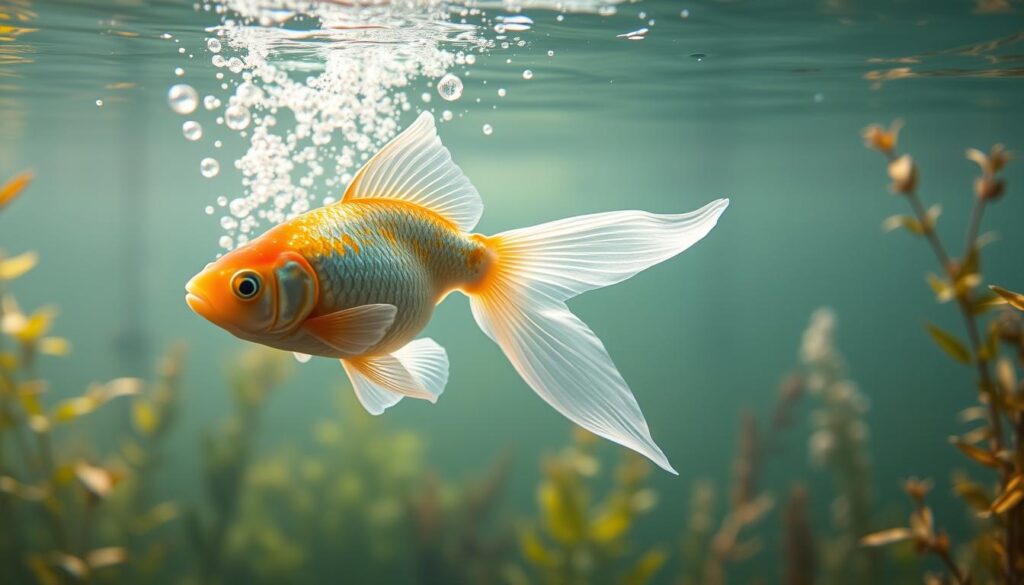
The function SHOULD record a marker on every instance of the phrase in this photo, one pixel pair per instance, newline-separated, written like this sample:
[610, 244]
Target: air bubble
[235, 65]
[192, 130]
[446, 115]
[450, 87]
[488, 130]
[182, 99]
[179, 72]
[527, 74]
[213, 45]
[211, 102]
[226, 242]
[208, 210]
[501, 92]
[209, 167]
[237, 117]
[425, 97]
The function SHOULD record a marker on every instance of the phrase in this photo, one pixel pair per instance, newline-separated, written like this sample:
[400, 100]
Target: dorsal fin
[415, 167]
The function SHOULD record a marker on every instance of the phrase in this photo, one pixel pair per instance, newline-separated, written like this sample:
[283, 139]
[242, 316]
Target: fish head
[257, 292]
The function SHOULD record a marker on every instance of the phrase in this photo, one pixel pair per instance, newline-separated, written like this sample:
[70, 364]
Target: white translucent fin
[564, 258]
[374, 398]
[302, 357]
[428, 363]
[522, 308]
[419, 370]
[415, 167]
[353, 331]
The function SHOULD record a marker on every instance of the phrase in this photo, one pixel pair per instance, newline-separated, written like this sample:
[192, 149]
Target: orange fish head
[255, 292]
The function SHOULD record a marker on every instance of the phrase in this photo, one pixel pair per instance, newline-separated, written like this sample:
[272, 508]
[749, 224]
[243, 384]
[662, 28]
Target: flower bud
[992, 162]
[881, 139]
[903, 173]
[988, 188]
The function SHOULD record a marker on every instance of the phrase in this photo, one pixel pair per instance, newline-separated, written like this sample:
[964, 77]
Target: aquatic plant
[227, 457]
[576, 541]
[992, 350]
[58, 523]
[355, 498]
[839, 442]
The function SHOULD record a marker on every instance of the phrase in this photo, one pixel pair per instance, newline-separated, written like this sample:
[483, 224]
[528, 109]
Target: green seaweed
[579, 539]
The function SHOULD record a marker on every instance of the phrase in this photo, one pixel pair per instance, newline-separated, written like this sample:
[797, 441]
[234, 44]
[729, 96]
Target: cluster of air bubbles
[313, 94]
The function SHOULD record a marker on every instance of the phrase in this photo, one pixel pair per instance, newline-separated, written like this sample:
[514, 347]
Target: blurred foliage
[578, 539]
[68, 513]
[356, 500]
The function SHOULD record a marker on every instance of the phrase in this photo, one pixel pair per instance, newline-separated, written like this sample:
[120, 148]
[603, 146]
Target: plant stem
[953, 569]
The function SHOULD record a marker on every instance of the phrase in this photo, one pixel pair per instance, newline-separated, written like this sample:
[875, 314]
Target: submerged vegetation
[994, 350]
[355, 497]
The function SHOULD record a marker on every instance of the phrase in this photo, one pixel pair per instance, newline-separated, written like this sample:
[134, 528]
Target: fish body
[359, 279]
[377, 251]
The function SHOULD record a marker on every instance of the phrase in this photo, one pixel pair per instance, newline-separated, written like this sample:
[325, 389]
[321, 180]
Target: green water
[770, 117]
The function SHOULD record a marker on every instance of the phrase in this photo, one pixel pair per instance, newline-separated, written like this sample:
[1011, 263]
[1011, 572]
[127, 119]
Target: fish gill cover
[317, 87]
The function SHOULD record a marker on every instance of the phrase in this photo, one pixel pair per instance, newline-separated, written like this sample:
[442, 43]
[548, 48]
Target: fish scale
[382, 251]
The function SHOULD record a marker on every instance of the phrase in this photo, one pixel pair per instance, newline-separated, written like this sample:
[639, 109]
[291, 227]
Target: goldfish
[358, 280]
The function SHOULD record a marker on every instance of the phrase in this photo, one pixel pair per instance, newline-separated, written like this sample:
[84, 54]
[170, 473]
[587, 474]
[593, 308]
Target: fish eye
[246, 284]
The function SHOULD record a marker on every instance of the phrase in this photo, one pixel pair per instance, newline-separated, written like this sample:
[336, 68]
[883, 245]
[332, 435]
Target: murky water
[162, 134]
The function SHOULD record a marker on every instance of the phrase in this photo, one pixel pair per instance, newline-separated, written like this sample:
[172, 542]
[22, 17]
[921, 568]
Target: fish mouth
[196, 301]
[198, 304]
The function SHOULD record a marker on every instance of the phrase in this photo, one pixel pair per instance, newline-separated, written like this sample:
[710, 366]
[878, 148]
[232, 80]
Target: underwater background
[794, 428]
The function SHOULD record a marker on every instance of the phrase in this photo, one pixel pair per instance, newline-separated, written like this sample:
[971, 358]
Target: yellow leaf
[906, 222]
[973, 494]
[884, 537]
[54, 346]
[35, 326]
[73, 565]
[533, 549]
[1014, 299]
[144, 417]
[611, 525]
[979, 455]
[28, 393]
[644, 569]
[13, 187]
[951, 345]
[71, 409]
[11, 268]
[563, 511]
[1011, 496]
[942, 289]
[105, 557]
[98, 481]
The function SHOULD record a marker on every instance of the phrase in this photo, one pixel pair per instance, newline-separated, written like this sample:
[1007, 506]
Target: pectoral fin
[354, 330]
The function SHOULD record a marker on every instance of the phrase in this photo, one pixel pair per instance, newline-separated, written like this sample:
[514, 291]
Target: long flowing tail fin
[520, 304]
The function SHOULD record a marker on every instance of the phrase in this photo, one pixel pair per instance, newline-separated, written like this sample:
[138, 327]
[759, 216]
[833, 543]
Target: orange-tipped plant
[993, 349]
